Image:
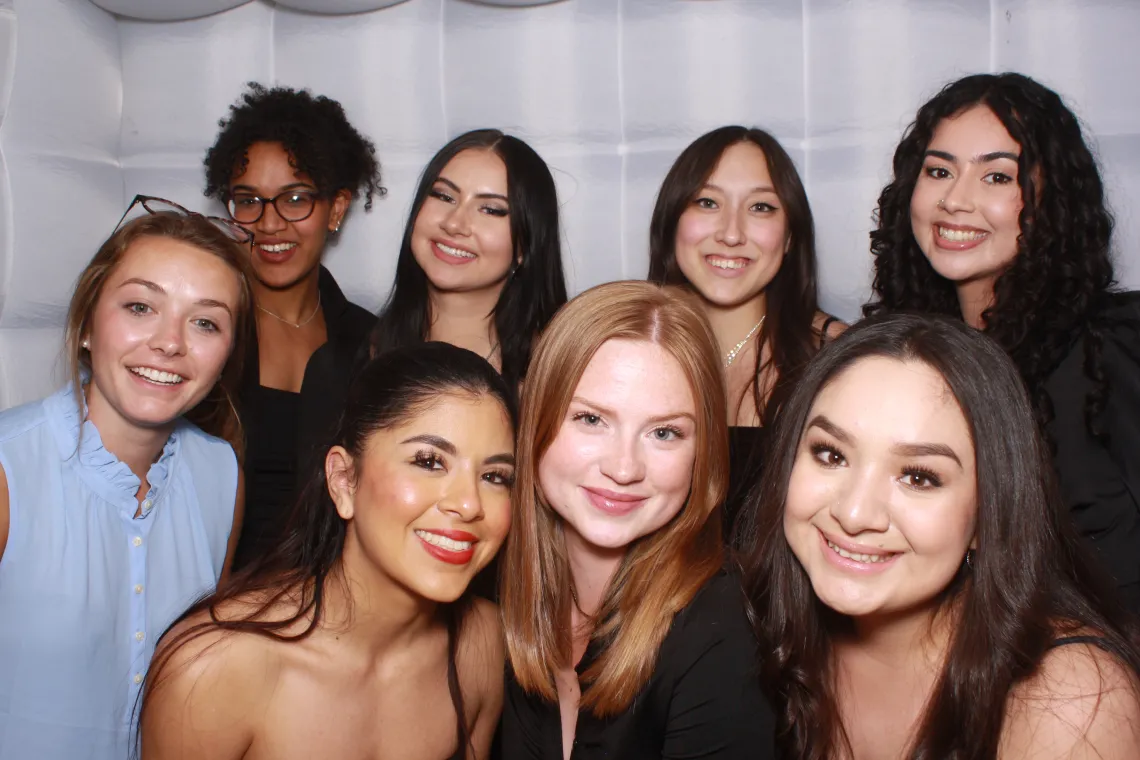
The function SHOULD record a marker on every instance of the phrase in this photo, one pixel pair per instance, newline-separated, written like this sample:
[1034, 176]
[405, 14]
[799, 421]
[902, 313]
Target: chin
[852, 602]
[159, 413]
[608, 539]
[443, 591]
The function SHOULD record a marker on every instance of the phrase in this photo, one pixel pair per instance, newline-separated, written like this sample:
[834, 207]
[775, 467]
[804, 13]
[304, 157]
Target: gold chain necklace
[731, 356]
[294, 324]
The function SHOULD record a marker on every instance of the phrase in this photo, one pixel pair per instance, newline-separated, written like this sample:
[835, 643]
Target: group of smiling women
[689, 517]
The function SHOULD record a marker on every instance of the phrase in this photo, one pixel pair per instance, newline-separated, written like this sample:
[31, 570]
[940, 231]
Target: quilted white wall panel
[1087, 50]
[60, 144]
[96, 107]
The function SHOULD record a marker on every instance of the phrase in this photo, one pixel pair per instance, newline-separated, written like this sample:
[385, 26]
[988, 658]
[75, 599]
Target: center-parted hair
[535, 287]
[1029, 580]
[792, 296]
[662, 571]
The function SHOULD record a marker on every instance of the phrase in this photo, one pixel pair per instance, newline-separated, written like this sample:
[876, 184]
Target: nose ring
[942, 204]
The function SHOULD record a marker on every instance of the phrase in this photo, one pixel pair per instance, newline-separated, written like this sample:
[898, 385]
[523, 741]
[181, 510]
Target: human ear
[341, 481]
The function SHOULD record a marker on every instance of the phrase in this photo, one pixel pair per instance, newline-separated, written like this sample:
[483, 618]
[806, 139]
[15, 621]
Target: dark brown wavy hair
[1061, 280]
[1030, 579]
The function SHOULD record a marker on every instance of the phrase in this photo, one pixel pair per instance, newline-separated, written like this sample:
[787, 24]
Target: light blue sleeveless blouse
[85, 587]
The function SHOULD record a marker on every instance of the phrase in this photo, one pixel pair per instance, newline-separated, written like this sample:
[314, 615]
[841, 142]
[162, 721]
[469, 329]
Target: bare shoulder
[834, 326]
[1081, 703]
[206, 690]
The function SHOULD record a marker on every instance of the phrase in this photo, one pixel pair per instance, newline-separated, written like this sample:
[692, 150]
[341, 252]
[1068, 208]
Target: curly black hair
[1061, 280]
[315, 133]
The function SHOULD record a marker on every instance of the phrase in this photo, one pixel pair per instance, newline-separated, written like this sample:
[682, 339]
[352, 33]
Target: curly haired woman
[288, 165]
[996, 214]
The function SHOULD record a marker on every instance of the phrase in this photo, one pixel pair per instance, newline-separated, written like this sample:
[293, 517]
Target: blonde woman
[625, 636]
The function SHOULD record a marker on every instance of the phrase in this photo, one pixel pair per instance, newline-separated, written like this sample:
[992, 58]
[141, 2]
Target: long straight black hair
[534, 289]
[792, 296]
[1029, 580]
[388, 391]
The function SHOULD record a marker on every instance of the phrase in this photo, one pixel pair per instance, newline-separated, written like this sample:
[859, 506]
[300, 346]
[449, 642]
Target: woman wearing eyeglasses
[288, 165]
[119, 495]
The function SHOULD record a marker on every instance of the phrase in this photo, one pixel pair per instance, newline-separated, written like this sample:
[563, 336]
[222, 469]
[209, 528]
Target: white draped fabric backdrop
[102, 99]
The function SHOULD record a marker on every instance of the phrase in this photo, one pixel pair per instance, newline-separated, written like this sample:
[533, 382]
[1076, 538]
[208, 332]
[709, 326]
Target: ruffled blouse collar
[79, 438]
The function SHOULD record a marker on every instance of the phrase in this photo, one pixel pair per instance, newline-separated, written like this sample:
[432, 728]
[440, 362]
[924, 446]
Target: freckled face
[161, 333]
[431, 503]
[462, 234]
[621, 465]
[965, 206]
[882, 499]
[732, 237]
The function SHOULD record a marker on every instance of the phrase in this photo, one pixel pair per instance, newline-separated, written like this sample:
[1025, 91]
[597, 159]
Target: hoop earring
[970, 558]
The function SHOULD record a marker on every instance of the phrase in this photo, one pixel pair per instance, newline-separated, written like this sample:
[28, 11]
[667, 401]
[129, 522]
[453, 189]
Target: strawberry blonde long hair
[661, 572]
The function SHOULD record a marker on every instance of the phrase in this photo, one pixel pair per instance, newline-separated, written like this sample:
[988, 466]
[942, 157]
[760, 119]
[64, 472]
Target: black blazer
[321, 401]
[702, 701]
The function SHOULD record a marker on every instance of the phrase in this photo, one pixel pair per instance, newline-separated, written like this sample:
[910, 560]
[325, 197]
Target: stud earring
[337, 228]
[970, 558]
[86, 344]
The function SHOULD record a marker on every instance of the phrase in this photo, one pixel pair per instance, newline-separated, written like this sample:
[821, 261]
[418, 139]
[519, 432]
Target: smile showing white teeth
[960, 236]
[721, 263]
[871, 558]
[277, 247]
[457, 252]
[443, 542]
[156, 376]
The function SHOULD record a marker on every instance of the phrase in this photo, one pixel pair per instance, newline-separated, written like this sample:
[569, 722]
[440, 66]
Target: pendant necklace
[731, 355]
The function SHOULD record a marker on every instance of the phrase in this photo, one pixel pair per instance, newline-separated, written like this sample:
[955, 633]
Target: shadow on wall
[184, 10]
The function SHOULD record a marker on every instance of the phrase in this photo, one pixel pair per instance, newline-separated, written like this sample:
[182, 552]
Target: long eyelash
[427, 456]
[508, 477]
[493, 211]
[819, 448]
[923, 472]
[674, 430]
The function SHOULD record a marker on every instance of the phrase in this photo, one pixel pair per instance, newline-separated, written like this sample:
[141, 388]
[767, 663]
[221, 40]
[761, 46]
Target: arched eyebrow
[456, 188]
[309, 186]
[982, 158]
[155, 287]
[651, 420]
[923, 449]
[757, 189]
